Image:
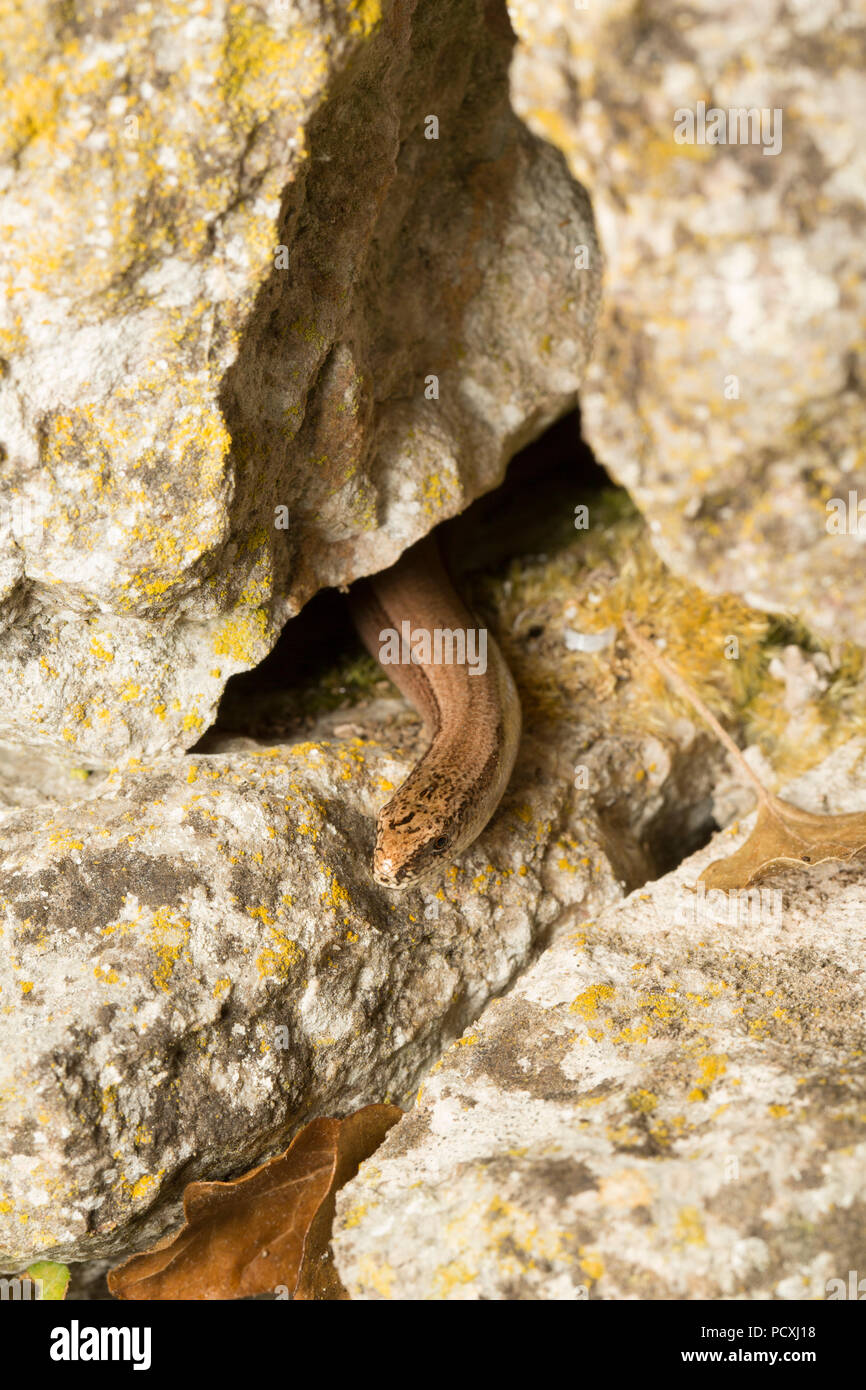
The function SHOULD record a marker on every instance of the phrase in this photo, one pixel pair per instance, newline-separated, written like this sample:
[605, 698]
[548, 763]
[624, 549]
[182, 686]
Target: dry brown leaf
[783, 834]
[266, 1230]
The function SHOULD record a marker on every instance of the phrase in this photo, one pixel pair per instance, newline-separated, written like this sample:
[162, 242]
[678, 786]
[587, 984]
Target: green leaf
[53, 1279]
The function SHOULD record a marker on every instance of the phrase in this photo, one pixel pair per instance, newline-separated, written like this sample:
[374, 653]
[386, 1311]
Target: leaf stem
[682, 687]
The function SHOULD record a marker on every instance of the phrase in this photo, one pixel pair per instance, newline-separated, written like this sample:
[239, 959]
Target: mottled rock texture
[233, 263]
[727, 385]
[157, 938]
[664, 1107]
[194, 958]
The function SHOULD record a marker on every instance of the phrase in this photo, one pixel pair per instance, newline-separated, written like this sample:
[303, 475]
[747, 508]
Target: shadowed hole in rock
[319, 666]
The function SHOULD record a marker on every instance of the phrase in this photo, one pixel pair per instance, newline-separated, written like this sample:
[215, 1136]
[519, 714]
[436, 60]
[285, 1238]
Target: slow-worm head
[470, 709]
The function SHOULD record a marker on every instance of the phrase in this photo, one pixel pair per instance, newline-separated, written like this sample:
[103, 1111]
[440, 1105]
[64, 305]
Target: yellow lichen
[277, 960]
[586, 1004]
[168, 937]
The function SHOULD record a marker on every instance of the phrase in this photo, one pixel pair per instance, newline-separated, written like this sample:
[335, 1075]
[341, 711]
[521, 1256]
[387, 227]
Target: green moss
[348, 681]
[589, 580]
[270, 712]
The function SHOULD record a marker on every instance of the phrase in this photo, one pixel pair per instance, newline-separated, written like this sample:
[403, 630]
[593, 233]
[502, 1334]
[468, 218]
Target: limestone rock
[196, 959]
[162, 927]
[669, 1104]
[234, 264]
[727, 385]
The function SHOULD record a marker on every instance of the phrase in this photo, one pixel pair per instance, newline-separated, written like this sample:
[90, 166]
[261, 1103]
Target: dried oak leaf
[784, 835]
[267, 1230]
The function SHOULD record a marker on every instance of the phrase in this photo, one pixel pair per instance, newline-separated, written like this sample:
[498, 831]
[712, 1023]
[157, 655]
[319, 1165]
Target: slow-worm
[472, 717]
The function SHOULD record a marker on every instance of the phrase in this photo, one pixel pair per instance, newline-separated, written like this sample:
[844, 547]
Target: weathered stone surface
[158, 931]
[157, 937]
[232, 263]
[723, 262]
[29, 777]
[663, 1107]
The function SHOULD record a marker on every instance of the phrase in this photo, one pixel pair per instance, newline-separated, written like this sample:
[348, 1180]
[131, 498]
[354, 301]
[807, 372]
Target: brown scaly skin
[473, 722]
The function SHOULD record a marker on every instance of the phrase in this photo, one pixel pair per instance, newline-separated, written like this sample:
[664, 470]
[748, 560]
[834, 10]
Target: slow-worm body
[472, 715]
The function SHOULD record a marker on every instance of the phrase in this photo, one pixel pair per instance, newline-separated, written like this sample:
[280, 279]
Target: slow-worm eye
[440, 844]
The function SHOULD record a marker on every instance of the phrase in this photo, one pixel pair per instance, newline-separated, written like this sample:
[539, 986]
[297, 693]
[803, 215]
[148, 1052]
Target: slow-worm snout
[470, 709]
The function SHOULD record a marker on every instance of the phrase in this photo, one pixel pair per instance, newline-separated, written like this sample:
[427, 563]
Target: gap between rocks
[318, 665]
